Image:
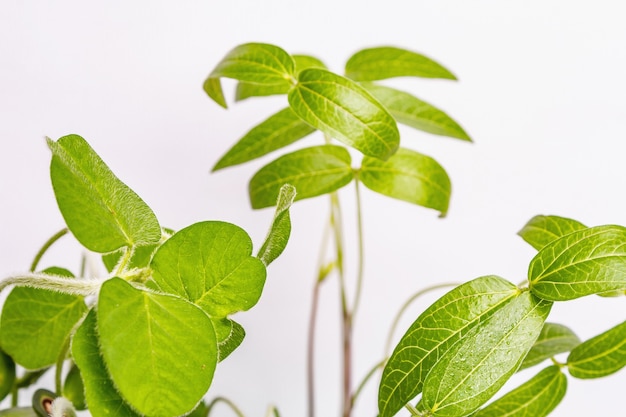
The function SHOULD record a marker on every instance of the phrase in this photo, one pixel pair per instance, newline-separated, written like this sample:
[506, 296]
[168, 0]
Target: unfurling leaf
[599, 356]
[278, 235]
[541, 230]
[553, 339]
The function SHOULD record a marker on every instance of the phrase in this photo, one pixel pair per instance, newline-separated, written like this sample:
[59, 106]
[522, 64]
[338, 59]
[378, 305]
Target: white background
[541, 92]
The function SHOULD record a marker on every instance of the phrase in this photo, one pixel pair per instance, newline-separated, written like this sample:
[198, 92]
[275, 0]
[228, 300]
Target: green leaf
[312, 171]
[74, 389]
[280, 130]
[229, 335]
[99, 209]
[256, 63]
[101, 396]
[408, 176]
[278, 235]
[411, 111]
[160, 350]
[7, 374]
[553, 339]
[433, 333]
[536, 398]
[18, 412]
[599, 356]
[541, 230]
[584, 262]
[475, 368]
[210, 264]
[345, 111]
[386, 62]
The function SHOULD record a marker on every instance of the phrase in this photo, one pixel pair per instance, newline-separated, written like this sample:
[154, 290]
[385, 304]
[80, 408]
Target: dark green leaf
[74, 389]
[229, 335]
[408, 176]
[553, 339]
[7, 374]
[386, 62]
[345, 111]
[599, 356]
[99, 209]
[278, 235]
[312, 171]
[541, 230]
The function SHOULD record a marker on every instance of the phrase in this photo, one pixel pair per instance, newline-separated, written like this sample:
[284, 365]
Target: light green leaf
[476, 367]
[101, 396]
[229, 335]
[599, 356]
[411, 111]
[386, 62]
[74, 388]
[99, 209]
[584, 262]
[345, 111]
[433, 333]
[210, 264]
[541, 230]
[553, 339]
[278, 235]
[312, 171]
[536, 398]
[256, 63]
[408, 176]
[143, 337]
[278, 131]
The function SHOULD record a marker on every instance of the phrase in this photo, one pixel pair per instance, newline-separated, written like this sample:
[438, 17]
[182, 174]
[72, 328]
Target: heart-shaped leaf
[541, 230]
[599, 356]
[553, 339]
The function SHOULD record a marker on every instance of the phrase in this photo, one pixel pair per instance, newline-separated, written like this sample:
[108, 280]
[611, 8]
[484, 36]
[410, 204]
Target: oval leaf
[475, 368]
[553, 339]
[541, 230]
[599, 356]
[278, 235]
[411, 111]
[312, 171]
[536, 398]
[434, 332]
[408, 176]
[345, 111]
[160, 350]
[99, 209]
[386, 62]
[584, 262]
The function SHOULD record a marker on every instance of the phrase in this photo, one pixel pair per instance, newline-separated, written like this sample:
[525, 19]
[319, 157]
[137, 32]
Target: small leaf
[99, 209]
[433, 333]
[599, 356]
[553, 339]
[74, 389]
[345, 111]
[408, 176]
[476, 367]
[278, 235]
[312, 171]
[7, 374]
[584, 262]
[256, 63]
[536, 398]
[411, 111]
[541, 230]
[387, 62]
[280, 130]
[229, 335]
[160, 350]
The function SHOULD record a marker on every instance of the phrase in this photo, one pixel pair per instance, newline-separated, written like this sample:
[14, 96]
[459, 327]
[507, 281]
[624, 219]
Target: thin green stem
[366, 379]
[361, 257]
[45, 247]
[226, 401]
[412, 410]
[124, 261]
[58, 372]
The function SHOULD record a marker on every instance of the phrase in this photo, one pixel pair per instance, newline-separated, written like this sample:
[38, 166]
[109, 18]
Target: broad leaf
[433, 333]
[584, 262]
[229, 335]
[345, 111]
[280, 130]
[536, 398]
[7, 374]
[278, 235]
[411, 111]
[599, 356]
[386, 62]
[312, 171]
[160, 350]
[408, 176]
[99, 209]
[541, 230]
[553, 339]
[210, 264]
[476, 367]
[256, 63]
[101, 396]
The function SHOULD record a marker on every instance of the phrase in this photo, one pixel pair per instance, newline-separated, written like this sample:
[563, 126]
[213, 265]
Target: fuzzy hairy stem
[53, 283]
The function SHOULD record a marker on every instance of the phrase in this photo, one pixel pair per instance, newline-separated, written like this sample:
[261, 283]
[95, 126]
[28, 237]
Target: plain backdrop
[541, 91]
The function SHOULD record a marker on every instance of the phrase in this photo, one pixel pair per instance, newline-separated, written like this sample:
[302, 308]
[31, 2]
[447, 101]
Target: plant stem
[367, 377]
[226, 401]
[361, 257]
[53, 283]
[45, 247]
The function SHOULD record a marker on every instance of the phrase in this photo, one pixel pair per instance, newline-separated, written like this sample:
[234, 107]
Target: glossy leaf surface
[312, 171]
[553, 339]
[144, 338]
[345, 111]
[599, 356]
[541, 230]
[408, 176]
[99, 209]
[433, 333]
[386, 62]
[584, 262]
[277, 238]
